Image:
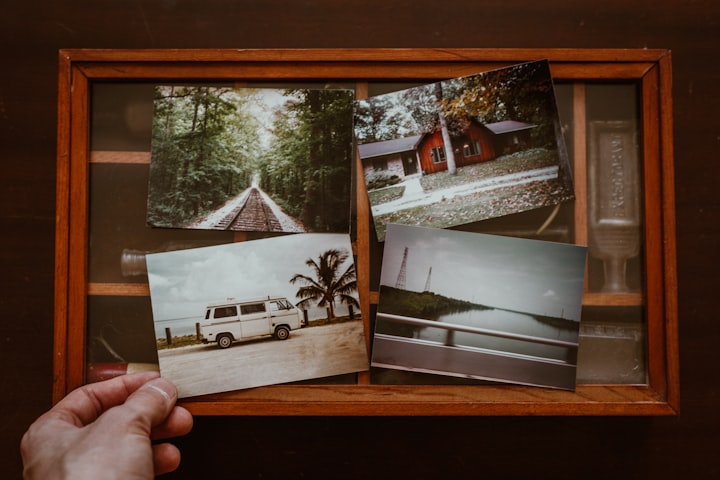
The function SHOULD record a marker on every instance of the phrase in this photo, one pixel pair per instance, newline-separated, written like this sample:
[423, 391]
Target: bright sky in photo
[531, 276]
[183, 283]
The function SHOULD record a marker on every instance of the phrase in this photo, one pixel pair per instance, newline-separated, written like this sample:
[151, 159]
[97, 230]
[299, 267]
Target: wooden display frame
[651, 69]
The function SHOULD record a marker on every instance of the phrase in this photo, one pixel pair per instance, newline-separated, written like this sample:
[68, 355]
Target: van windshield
[281, 304]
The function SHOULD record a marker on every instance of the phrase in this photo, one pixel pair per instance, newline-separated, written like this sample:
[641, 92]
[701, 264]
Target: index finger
[84, 405]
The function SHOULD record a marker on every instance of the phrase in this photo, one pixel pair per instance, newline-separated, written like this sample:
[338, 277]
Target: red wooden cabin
[425, 153]
[478, 143]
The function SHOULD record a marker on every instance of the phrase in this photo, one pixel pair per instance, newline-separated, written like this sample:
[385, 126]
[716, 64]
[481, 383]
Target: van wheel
[224, 341]
[282, 333]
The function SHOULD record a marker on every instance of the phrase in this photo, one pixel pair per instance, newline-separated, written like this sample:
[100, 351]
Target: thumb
[152, 402]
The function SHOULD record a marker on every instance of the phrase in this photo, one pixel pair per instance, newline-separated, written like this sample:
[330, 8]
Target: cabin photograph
[463, 150]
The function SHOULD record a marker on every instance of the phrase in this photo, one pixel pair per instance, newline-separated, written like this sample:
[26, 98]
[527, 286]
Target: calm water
[503, 321]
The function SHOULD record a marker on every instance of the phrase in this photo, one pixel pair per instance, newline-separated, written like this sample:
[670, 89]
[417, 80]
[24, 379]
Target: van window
[224, 312]
[252, 308]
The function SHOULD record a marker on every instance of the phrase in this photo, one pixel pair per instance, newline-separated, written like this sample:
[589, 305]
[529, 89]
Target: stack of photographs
[284, 307]
[278, 309]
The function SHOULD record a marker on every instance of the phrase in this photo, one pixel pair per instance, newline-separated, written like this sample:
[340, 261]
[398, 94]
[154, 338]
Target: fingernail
[154, 385]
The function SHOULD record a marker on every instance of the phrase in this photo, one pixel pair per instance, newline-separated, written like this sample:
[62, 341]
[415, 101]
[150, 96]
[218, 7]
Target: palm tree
[329, 284]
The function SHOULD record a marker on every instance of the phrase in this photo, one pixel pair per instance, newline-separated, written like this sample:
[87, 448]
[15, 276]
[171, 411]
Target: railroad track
[252, 215]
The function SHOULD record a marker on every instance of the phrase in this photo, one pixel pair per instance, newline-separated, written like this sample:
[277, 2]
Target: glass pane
[613, 338]
[120, 331]
[612, 346]
[120, 325]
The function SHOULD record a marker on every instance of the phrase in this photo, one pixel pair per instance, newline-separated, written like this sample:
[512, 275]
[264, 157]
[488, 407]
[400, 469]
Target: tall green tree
[330, 282]
[422, 107]
[203, 146]
[307, 170]
[384, 118]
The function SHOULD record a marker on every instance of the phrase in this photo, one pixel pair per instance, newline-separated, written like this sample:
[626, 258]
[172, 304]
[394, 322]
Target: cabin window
[471, 148]
[438, 154]
[224, 312]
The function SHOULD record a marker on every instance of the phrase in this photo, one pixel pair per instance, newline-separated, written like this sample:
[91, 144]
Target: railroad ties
[253, 215]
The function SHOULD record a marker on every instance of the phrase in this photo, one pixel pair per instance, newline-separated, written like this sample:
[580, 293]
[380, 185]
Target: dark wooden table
[254, 447]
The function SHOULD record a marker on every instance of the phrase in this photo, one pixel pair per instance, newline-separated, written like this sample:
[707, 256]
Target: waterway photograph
[479, 306]
[251, 159]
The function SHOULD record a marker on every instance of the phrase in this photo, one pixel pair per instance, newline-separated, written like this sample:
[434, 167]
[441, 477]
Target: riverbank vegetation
[425, 305]
[430, 306]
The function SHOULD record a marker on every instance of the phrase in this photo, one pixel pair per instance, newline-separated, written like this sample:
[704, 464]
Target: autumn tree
[523, 93]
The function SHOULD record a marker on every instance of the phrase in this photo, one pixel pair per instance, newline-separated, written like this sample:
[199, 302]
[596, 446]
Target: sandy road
[309, 353]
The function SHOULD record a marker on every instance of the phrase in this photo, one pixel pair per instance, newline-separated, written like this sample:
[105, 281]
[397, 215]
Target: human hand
[105, 430]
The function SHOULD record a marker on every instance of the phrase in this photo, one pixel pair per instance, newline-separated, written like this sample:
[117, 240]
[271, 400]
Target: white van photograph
[232, 321]
[231, 316]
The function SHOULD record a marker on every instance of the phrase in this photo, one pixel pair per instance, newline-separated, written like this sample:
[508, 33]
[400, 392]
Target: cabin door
[409, 164]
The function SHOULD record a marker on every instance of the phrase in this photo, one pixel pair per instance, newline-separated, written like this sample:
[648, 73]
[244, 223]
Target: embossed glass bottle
[613, 199]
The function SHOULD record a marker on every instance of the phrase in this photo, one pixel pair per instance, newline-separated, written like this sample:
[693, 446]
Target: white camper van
[227, 322]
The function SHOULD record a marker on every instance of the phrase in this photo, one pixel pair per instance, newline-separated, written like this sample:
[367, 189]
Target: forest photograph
[463, 150]
[251, 159]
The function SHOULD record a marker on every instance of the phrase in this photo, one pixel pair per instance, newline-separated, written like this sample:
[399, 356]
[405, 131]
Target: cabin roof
[508, 126]
[397, 145]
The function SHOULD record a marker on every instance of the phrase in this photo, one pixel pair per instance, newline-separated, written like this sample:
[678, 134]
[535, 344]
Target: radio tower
[427, 282]
[400, 284]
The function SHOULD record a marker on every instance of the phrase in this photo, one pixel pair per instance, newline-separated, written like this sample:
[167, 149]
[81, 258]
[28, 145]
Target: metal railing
[452, 328]
[417, 355]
